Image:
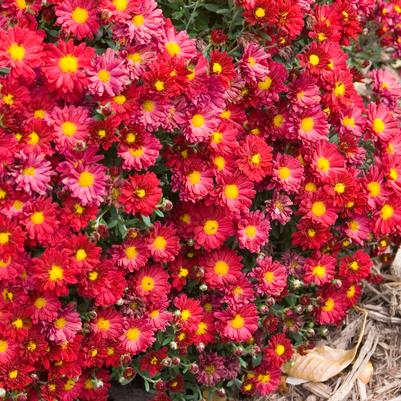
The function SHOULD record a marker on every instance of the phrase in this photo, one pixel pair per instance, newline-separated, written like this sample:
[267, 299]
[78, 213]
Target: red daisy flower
[44, 307]
[77, 17]
[387, 218]
[271, 276]
[190, 313]
[222, 267]
[132, 254]
[253, 231]
[311, 125]
[315, 59]
[211, 228]
[267, 379]
[221, 65]
[51, 272]
[255, 158]
[261, 12]
[83, 253]
[21, 49]
[288, 172]
[163, 243]
[141, 193]
[352, 293]
[152, 361]
[319, 269]
[279, 350]
[318, 209]
[381, 122]
[76, 215]
[333, 307]
[237, 323]
[65, 66]
[356, 267]
[12, 238]
[66, 326]
[108, 324]
[151, 282]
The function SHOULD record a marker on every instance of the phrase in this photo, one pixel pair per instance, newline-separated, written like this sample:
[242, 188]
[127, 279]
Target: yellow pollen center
[4, 238]
[40, 114]
[265, 84]
[13, 374]
[18, 323]
[160, 243]
[37, 218]
[314, 59]
[120, 5]
[255, 159]
[31, 346]
[80, 255]
[387, 212]
[140, 193]
[269, 277]
[250, 231]
[328, 305]
[130, 252]
[69, 128]
[339, 89]
[278, 120]
[217, 68]
[231, 191]
[319, 271]
[183, 272]
[238, 322]
[120, 99]
[221, 268]
[148, 106]
[80, 15]
[33, 138]
[351, 291]
[374, 189]
[393, 174]
[318, 209]
[349, 122]
[198, 121]
[354, 265]
[217, 137]
[339, 188]
[40, 303]
[16, 52]
[195, 177]
[68, 64]
[264, 378]
[311, 233]
[284, 172]
[211, 227]
[280, 349]
[93, 275]
[260, 12]
[219, 162]
[147, 283]
[307, 124]
[159, 85]
[104, 76]
[173, 49]
[379, 125]
[185, 314]
[60, 323]
[138, 20]
[56, 273]
[323, 164]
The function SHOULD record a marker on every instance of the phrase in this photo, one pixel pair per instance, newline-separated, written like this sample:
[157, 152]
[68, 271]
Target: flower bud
[2, 392]
[129, 373]
[166, 362]
[203, 287]
[160, 385]
[238, 351]
[221, 392]
[173, 345]
[310, 332]
[125, 359]
[200, 347]
[194, 368]
[175, 360]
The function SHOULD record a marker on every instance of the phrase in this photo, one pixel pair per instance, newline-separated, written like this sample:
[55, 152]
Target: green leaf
[146, 220]
[4, 70]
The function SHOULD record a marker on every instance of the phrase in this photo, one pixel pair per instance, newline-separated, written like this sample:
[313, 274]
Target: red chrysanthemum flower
[333, 307]
[288, 173]
[77, 17]
[83, 253]
[271, 277]
[255, 158]
[163, 243]
[261, 12]
[44, 307]
[141, 193]
[221, 65]
[387, 218]
[279, 350]
[132, 254]
[356, 267]
[190, 313]
[12, 238]
[311, 125]
[108, 324]
[318, 209]
[381, 122]
[253, 231]
[237, 323]
[319, 269]
[267, 379]
[21, 49]
[151, 282]
[137, 336]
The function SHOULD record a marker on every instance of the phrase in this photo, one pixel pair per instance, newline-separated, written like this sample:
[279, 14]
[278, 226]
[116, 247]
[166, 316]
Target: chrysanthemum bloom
[319, 269]
[177, 44]
[77, 17]
[11, 267]
[253, 62]
[76, 215]
[137, 336]
[290, 19]
[108, 324]
[356, 267]
[159, 317]
[190, 313]
[386, 84]
[41, 222]
[279, 208]
[381, 122]
[200, 125]
[352, 292]
[194, 181]
[163, 243]
[83, 253]
[211, 228]
[311, 125]
[239, 293]
[325, 159]
[51, 272]
[237, 323]
[253, 231]
[151, 282]
[222, 267]
[132, 254]
[271, 277]
[16, 375]
[319, 209]
[388, 218]
[341, 187]
[260, 12]
[333, 307]
[151, 362]
[255, 158]
[358, 228]
[108, 74]
[66, 326]
[12, 238]
[211, 369]
[304, 92]
[205, 331]
[140, 193]
[65, 66]
[139, 151]
[44, 307]
[69, 124]
[21, 49]
[267, 379]
[288, 172]
[221, 66]
[315, 59]
[279, 350]
[235, 191]
[87, 183]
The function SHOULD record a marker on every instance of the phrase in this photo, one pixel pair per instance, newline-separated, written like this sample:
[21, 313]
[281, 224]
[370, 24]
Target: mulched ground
[381, 345]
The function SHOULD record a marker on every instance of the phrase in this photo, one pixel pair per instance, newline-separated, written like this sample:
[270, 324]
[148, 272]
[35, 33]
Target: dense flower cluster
[191, 217]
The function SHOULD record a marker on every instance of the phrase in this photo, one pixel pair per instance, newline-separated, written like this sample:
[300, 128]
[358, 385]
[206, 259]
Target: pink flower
[66, 326]
[108, 74]
[253, 231]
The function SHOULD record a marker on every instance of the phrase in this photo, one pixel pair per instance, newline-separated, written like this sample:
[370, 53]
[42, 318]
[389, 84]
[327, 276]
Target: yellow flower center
[284, 172]
[231, 191]
[278, 120]
[60, 323]
[260, 12]
[138, 20]
[40, 114]
[387, 212]
[351, 291]
[80, 255]
[69, 385]
[8, 99]
[374, 189]
[18, 323]
[311, 233]
[264, 378]
[265, 84]
[130, 252]
[68, 64]
[307, 124]
[148, 106]
[314, 59]
[104, 76]
[140, 193]
[202, 328]
[185, 314]
[319, 271]
[31, 346]
[280, 349]
[250, 231]
[80, 15]
[219, 162]
[328, 305]
[217, 68]
[221, 268]
[183, 272]
[269, 277]
[69, 128]
[4, 238]
[339, 188]
[217, 137]
[120, 5]
[78, 209]
[349, 122]
[29, 171]
[195, 177]
[147, 283]
[238, 322]
[56, 273]
[354, 265]
[159, 85]
[86, 179]
[211, 227]
[137, 152]
[198, 121]
[33, 138]
[16, 52]
[120, 99]
[103, 324]
[318, 209]
[173, 49]
[21, 4]
[40, 303]
[5, 263]
[393, 174]
[93, 275]
[38, 218]
[379, 125]
[323, 164]
[255, 159]
[339, 89]
[160, 243]
[13, 374]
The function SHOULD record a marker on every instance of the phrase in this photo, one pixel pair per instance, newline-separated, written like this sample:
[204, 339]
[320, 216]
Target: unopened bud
[203, 287]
